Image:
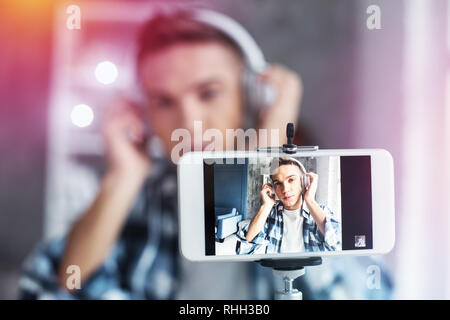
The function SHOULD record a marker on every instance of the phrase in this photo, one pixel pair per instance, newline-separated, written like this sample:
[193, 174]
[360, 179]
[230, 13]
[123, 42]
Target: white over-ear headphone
[305, 180]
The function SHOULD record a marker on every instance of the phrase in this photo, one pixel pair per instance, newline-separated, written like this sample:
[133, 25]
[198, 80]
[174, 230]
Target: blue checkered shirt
[272, 235]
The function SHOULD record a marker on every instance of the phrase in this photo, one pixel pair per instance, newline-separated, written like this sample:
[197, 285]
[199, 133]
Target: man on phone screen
[296, 222]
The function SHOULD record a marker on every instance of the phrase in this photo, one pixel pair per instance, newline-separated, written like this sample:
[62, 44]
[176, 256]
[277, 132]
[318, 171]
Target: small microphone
[290, 147]
[290, 132]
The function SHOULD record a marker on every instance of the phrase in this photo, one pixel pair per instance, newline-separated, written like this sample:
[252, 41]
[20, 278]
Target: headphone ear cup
[258, 94]
[250, 84]
[307, 181]
[305, 184]
[250, 107]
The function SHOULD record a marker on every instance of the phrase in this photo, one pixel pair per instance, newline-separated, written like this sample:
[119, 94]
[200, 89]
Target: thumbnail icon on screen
[360, 241]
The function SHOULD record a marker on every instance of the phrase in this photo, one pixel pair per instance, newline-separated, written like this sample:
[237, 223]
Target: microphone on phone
[290, 147]
[290, 132]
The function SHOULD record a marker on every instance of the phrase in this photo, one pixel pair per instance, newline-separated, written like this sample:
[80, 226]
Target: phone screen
[270, 205]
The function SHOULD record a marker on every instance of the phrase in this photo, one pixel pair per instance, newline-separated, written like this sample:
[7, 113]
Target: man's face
[192, 81]
[287, 185]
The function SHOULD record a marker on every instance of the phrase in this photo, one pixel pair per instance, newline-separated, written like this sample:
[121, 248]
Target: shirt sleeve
[249, 247]
[39, 280]
[332, 238]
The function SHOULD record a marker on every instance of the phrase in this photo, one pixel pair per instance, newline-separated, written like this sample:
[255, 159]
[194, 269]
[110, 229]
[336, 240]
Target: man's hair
[167, 29]
[281, 161]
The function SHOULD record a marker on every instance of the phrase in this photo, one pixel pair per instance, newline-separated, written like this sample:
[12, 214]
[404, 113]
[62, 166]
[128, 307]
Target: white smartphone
[351, 196]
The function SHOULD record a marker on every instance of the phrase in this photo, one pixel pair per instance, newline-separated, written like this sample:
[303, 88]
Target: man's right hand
[125, 140]
[267, 195]
[258, 221]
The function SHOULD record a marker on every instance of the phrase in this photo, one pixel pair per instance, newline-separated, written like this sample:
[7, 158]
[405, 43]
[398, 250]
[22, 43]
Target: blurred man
[126, 243]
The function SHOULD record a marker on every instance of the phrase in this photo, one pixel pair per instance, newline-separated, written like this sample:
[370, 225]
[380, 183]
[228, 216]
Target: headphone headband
[252, 53]
[277, 160]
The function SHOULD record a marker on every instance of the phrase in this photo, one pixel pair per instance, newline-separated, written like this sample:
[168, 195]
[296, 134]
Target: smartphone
[219, 198]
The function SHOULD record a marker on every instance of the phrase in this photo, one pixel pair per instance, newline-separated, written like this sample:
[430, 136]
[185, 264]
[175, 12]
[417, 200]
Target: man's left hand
[286, 107]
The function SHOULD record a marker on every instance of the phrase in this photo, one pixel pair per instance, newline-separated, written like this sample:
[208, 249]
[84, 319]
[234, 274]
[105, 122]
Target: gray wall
[317, 39]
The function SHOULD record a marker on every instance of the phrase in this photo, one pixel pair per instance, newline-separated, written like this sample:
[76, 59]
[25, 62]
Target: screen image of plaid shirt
[272, 235]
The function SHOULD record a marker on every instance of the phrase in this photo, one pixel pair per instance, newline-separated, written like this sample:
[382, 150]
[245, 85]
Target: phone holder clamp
[289, 147]
[289, 269]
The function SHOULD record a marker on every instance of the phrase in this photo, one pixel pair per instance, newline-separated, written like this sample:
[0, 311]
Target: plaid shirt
[272, 236]
[144, 263]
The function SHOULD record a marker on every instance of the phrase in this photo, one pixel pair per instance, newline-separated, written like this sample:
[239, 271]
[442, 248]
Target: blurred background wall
[384, 88]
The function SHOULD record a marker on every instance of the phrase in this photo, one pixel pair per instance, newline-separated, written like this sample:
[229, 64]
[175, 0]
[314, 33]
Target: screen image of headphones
[306, 180]
[258, 94]
[271, 193]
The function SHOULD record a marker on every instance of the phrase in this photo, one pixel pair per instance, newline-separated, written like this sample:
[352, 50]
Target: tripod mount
[289, 269]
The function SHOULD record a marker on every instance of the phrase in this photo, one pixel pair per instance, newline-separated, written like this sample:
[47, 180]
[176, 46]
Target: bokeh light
[82, 115]
[106, 72]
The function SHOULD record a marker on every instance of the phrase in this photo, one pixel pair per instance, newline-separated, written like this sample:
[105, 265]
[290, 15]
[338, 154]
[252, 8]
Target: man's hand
[286, 107]
[310, 198]
[267, 195]
[258, 221]
[124, 135]
[310, 194]
[93, 235]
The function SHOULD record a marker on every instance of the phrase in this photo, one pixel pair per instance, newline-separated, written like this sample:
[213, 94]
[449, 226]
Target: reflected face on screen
[287, 185]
